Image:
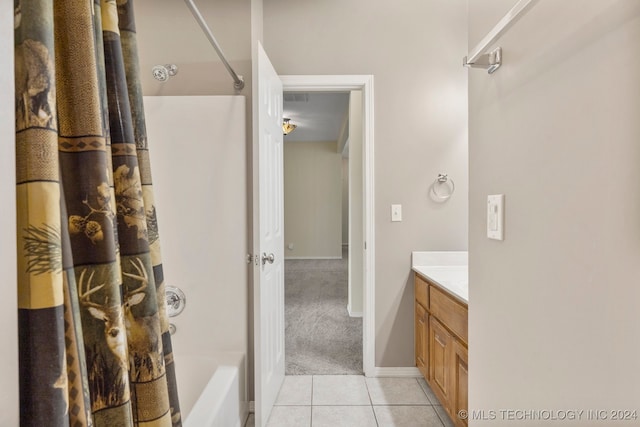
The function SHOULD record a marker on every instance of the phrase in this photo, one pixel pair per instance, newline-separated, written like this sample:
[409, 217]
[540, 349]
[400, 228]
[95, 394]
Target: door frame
[364, 83]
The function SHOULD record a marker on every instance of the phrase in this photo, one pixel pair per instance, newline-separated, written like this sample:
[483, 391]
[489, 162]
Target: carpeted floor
[320, 337]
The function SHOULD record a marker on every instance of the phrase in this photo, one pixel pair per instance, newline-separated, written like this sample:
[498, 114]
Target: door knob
[268, 258]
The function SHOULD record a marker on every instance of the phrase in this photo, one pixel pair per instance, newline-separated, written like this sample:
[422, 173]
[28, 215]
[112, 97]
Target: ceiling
[319, 115]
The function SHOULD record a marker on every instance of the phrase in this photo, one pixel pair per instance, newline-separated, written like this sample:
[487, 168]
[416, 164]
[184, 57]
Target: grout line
[368, 392]
[375, 417]
[296, 404]
[311, 403]
[439, 417]
[360, 405]
[371, 402]
[404, 404]
[427, 394]
[424, 391]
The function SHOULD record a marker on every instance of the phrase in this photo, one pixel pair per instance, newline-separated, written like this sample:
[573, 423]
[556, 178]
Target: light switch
[396, 213]
[495, 217]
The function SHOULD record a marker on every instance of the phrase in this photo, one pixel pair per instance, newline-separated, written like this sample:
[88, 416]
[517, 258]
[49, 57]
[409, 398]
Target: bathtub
[211, 389]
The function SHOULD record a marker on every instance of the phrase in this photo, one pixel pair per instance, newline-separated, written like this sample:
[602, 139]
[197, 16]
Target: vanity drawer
[450, 312]
[422, 292]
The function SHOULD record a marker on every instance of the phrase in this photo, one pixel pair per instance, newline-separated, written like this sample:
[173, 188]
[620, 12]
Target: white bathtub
[211, 389]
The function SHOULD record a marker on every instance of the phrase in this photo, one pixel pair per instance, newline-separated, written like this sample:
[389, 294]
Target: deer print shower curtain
[94, 342]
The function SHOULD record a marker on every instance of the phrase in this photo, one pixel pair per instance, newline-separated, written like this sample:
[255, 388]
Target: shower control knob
[268, 258]
[175, 300]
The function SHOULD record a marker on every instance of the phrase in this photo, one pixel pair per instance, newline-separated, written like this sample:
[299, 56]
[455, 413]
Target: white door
[268, 234]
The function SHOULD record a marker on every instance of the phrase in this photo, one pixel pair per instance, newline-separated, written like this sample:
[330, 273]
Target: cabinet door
[422, 291]
[439, 361]
[421, 340]
[460, 382]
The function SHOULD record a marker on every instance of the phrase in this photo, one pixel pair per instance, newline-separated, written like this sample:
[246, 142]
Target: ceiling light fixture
[288, 127]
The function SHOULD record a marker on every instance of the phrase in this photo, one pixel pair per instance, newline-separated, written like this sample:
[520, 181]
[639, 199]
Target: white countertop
[448, 269]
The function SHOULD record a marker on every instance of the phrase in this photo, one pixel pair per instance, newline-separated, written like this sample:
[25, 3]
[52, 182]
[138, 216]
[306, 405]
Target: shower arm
[238, 80]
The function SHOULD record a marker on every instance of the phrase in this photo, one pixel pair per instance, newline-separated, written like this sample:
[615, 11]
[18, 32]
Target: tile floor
[355, 401]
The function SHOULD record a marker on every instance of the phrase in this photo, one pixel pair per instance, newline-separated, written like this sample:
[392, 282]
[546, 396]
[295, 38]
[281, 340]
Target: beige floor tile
[295, 390]
[290, 416]
[343, 416]
[340, 390]
[444, 417]
[407, 416]
[427, 390]
[396, 391]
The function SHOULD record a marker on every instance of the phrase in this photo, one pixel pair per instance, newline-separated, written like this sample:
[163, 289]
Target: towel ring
[443, 180]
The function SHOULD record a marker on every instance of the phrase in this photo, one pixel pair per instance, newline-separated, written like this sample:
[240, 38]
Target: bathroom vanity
[441, 327]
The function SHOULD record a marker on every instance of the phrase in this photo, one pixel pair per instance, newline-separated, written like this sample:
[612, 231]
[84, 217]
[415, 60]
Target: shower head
[163, 72]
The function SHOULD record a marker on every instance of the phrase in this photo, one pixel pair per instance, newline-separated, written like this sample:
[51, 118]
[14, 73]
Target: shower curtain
[94, 342]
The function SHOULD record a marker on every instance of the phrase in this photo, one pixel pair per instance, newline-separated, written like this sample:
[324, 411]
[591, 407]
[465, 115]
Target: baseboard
[353, 313]
[312, 257]
[244, 410]
[395, 372]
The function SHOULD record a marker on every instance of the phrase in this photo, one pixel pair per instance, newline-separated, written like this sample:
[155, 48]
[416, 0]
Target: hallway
[320, 337]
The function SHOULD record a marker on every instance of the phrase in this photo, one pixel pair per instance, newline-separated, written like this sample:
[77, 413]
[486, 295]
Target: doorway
[364, 248]
[268, 240]
[323, 335]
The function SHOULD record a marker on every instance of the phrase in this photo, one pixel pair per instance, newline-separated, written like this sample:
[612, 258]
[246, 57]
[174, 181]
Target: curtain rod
[492, 60]
[238, 80]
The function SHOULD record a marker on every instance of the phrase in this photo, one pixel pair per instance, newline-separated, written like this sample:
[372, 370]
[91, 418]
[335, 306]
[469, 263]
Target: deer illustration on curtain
[94, 342]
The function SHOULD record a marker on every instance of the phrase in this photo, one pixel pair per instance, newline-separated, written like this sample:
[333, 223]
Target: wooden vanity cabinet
[422, 326]
[460, 381]
[440, 346]
[422, 352]
[441, 336]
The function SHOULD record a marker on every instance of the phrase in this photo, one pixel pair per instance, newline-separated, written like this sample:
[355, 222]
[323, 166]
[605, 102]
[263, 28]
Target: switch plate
[495, 216]
[396, 213]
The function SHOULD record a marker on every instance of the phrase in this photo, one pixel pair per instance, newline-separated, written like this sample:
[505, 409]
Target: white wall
[167, 33]
[356, 205]
[345, 201]
[9, 312]
[312, 200]
[554, 307]
[414, 49]
[199, 170]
